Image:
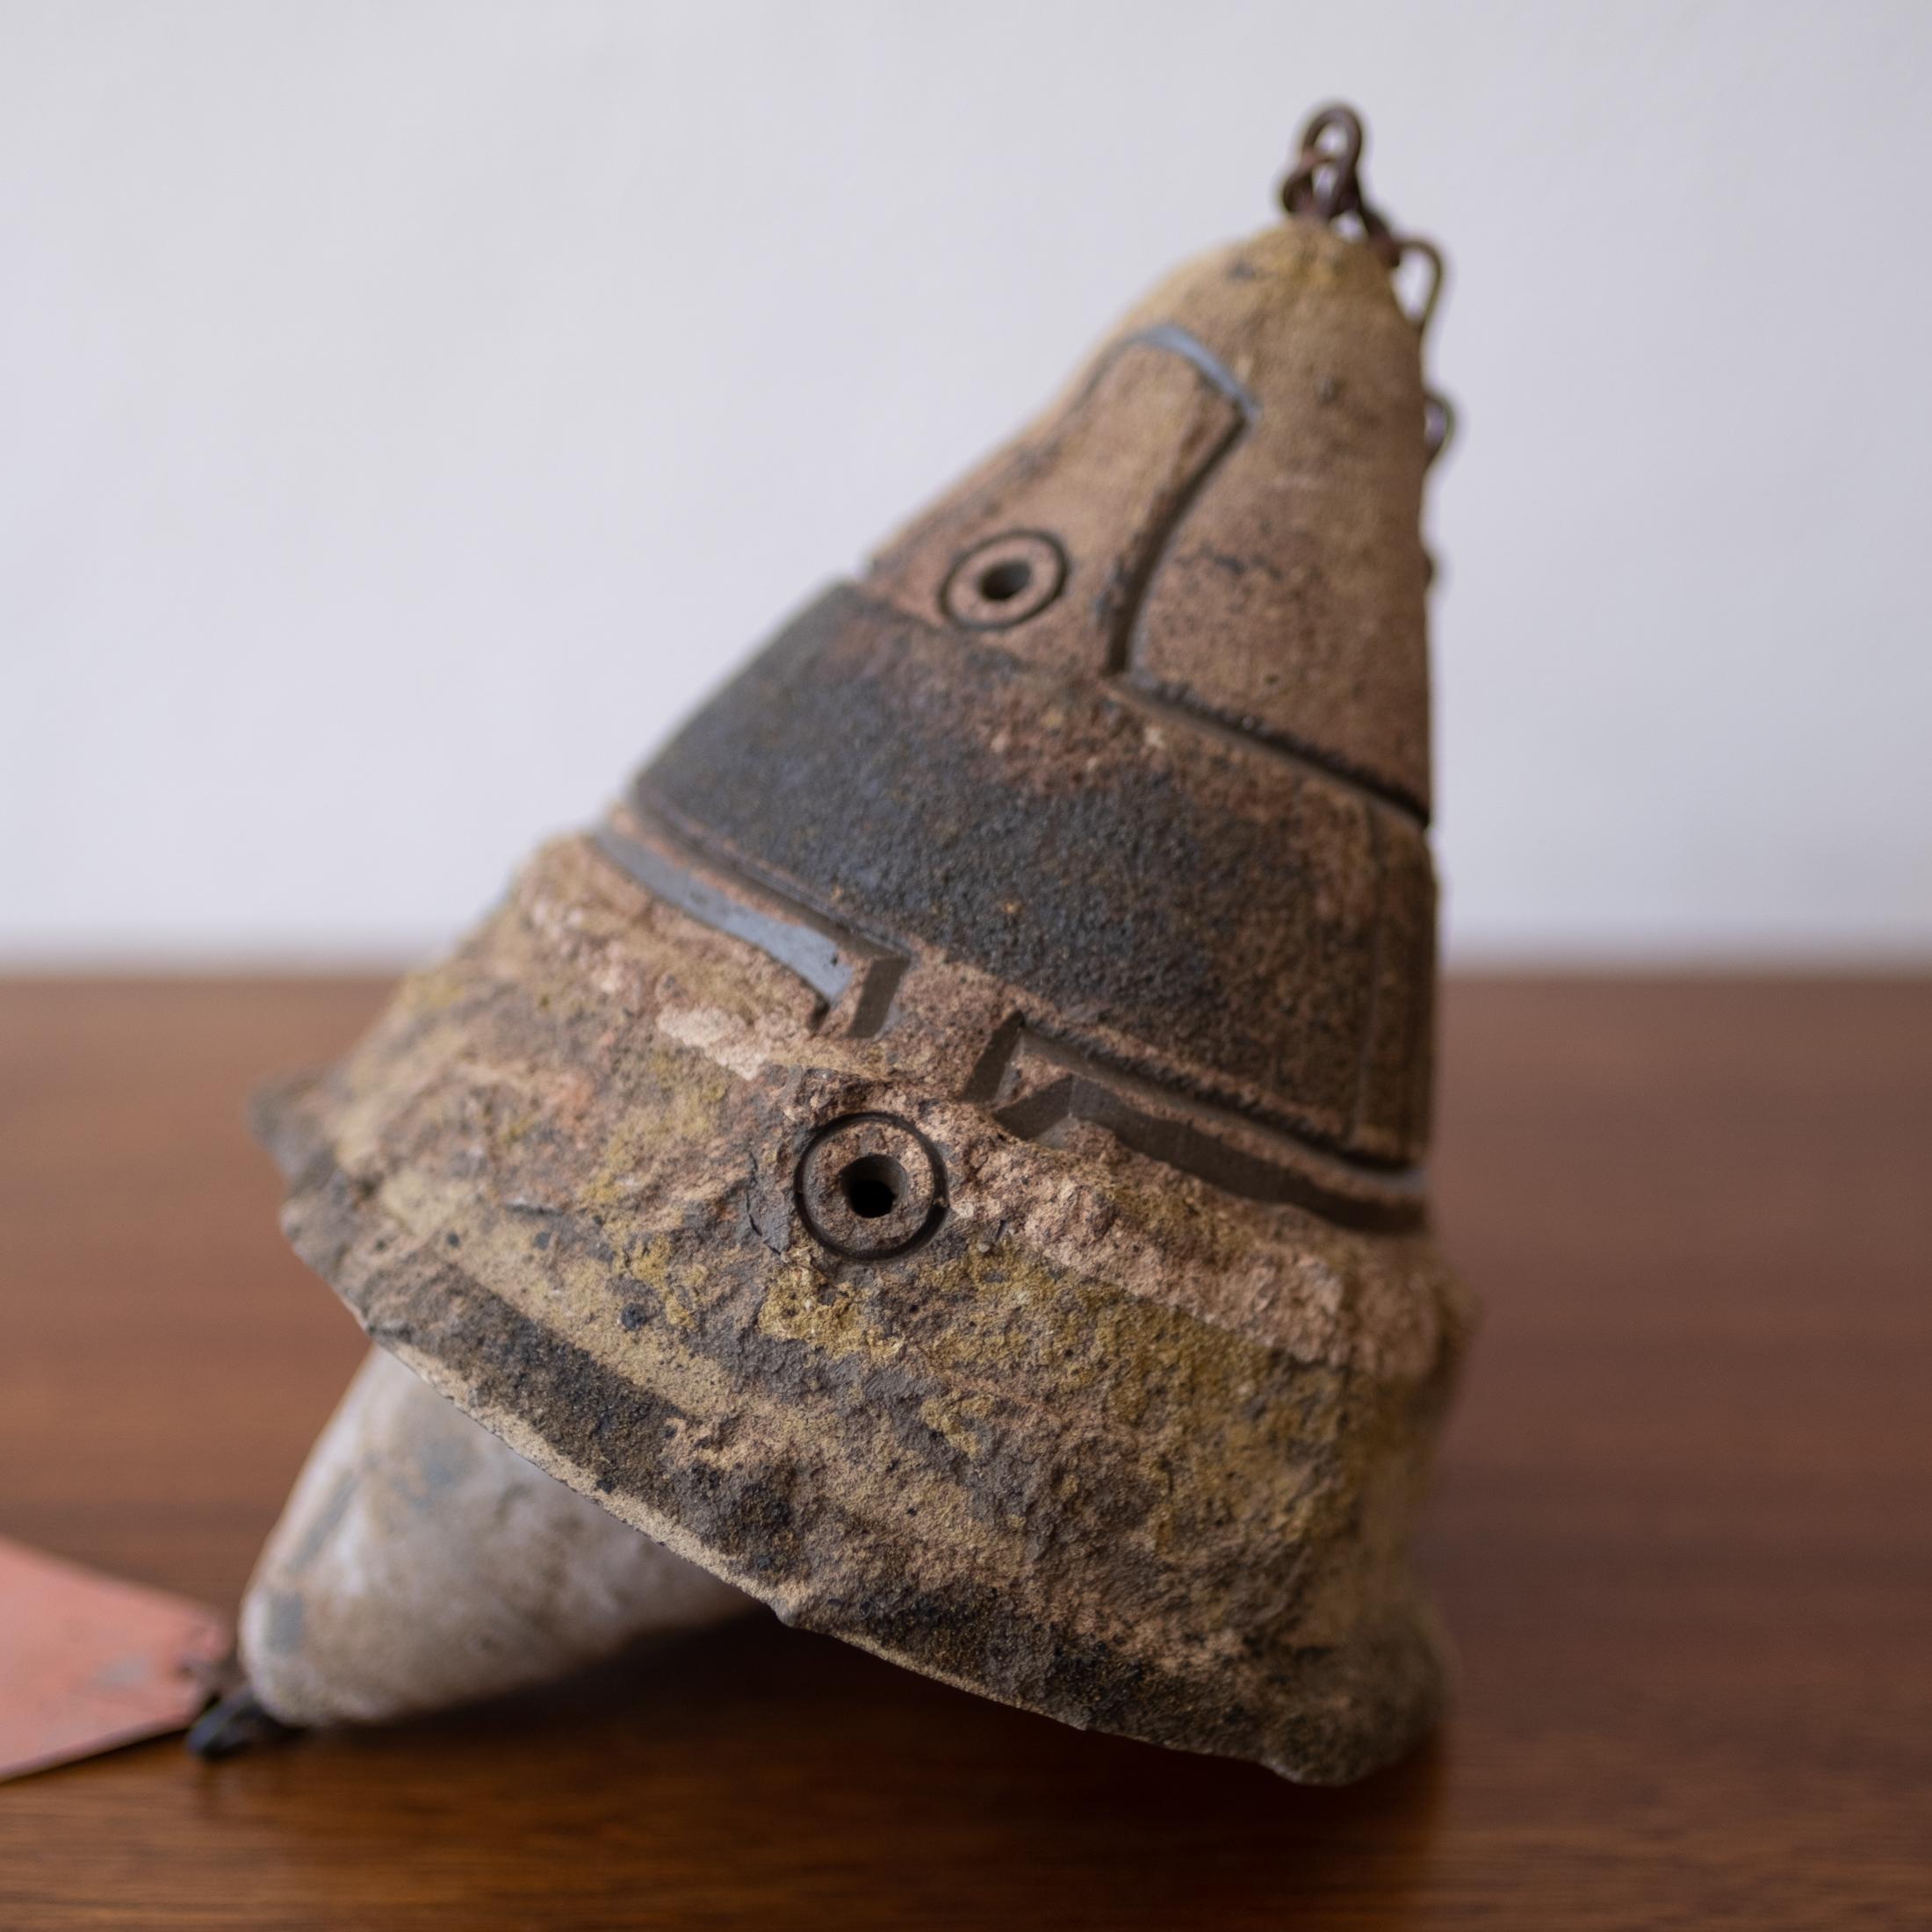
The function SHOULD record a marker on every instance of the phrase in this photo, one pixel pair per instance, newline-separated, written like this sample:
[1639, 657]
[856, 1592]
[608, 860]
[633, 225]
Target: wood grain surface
[1682, 1536]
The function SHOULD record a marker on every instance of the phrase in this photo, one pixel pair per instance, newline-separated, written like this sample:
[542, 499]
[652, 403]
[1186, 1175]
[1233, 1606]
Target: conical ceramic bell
[944, 1157]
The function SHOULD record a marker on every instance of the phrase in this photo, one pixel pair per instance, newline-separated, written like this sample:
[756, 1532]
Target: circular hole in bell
[872, 1186]
[1005, 580]
[1000, 583]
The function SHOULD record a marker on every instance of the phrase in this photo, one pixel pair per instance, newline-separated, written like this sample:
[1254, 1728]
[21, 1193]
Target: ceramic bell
[943, 1159]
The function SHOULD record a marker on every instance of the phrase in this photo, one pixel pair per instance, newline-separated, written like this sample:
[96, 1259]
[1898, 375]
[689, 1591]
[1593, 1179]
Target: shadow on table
[762, 1773]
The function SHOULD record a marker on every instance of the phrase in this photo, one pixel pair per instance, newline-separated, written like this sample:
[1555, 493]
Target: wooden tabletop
[1682, 1536]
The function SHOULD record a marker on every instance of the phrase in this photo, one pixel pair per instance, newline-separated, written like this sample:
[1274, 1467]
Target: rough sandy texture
[1071, 872]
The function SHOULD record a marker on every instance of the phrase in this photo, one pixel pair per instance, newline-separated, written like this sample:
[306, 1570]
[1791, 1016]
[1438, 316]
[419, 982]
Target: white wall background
[408, 409]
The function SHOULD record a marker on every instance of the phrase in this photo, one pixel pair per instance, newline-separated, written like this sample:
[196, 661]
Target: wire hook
[1324, 184]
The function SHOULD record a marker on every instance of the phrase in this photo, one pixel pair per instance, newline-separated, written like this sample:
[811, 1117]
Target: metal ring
[1438, 424]
[1408, 245]
[1326, 182]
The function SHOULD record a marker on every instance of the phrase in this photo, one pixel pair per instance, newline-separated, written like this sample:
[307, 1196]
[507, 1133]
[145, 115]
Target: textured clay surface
[944, 1157]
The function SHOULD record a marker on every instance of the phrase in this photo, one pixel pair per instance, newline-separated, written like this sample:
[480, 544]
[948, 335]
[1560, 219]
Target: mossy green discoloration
[676, 1102]
[1095, 1403]
[806, 1303]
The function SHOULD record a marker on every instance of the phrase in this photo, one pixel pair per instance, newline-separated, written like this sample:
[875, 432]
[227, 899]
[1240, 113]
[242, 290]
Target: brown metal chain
[1325, 185]
[1326, 181]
